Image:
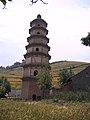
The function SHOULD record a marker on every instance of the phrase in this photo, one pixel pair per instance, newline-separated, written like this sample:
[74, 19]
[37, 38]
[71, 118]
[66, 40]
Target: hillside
[14, 75]
[74, 65]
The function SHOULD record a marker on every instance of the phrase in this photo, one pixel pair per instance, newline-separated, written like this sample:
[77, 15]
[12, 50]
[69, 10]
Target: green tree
[86, 40]
[44, 80]
[64, 76]
[5, 86]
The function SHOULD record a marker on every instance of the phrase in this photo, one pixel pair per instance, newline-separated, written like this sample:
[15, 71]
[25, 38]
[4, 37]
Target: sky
[68, 21]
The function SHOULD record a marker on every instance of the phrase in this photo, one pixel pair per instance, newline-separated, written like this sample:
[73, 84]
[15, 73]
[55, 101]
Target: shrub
[72, 96]
[5, 87]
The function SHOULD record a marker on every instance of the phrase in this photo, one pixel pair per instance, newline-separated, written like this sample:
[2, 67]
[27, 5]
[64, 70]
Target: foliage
[15, 65]
[44, 80]
[35, 1]
[72, 96]
[32, 2]
[86, 40]
[4, 87]
[18, 110]
[2, 68]
[4, 1]
[64, 75]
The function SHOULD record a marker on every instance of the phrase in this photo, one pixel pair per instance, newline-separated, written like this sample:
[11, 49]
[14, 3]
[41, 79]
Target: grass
[19, 110]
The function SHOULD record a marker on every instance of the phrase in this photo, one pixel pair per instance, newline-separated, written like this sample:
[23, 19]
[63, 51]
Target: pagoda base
[30, 90]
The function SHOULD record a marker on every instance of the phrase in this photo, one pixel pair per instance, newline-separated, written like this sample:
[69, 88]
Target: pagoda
[36, 57]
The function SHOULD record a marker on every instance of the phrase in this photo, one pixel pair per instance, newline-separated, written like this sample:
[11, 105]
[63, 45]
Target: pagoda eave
[37, 28]
[37, 44]
[34, 65]
[36, 53]
[28, 78]
[37, 21]
[37, 36]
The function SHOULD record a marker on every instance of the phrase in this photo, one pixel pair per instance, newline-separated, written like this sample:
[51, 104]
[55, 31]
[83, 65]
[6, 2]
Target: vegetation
[64, 76]
[2, 68]
[17, 110]
[80, 96]
[5, 87]
[86, 40]
[35, 1]
[5, 2]
[15, 65]
[44, 80]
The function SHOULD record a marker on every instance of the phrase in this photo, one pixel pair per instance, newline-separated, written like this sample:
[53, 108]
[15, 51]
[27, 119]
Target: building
[36, 58]
[81, 81]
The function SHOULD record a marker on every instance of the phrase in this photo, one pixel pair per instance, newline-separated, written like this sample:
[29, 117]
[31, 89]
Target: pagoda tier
[38, 39]
[37, 44]
[34, 30]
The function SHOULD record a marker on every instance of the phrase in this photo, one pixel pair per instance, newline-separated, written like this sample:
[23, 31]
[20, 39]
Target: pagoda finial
[38, 16]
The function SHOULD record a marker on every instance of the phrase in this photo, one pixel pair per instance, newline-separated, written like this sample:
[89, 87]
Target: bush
[5, 87]
[72, 96]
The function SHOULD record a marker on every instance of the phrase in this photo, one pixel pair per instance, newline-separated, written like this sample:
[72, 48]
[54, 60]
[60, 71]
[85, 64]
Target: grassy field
[14, 75]
[20, 110]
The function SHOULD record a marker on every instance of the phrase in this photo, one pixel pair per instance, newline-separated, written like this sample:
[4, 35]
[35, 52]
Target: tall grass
[13, 110]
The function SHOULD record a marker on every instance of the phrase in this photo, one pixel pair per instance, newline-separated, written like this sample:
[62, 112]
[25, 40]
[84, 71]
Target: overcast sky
[68, 21]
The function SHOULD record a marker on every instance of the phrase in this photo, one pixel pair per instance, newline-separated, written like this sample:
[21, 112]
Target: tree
[64, 76]
[32, 2]
[44, 80]
[86, 40]
[4, 2]
[5, 87]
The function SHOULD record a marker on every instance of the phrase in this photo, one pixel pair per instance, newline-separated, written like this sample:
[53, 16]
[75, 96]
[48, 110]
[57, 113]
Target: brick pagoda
[36, 58]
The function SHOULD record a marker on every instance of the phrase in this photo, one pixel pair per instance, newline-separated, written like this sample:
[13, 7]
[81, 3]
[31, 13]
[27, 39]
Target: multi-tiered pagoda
[36, 58]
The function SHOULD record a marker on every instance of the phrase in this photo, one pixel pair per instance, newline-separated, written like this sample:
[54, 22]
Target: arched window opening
[38, 24]
[34, 97]
[37, 49]
[35, 72]
[38, 33]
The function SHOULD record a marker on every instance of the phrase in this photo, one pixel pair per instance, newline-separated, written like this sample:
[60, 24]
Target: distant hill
[15, 72]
